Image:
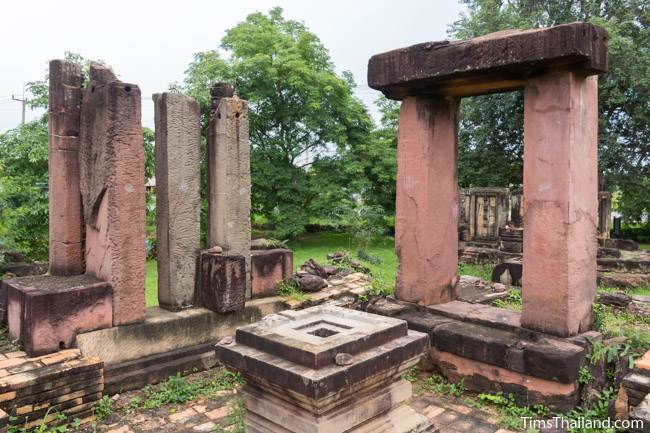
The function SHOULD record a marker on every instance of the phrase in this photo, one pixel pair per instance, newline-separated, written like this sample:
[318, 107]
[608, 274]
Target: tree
[375, 160]
[23, 189]
[491, 126]
[303, 116]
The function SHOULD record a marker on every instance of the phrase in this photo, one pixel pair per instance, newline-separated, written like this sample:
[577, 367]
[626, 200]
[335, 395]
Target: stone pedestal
[326, 369]
[488, 349]
[178, 199]
[47, 312]
[426, 226]
[112, 189]
[222, 285]
[229, 180]
[268, 269]
[65, 222]
[561, 202]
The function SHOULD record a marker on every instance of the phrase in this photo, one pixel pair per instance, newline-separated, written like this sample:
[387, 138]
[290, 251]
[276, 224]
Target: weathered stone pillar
[112, 187]
[229, 180]
[561, 202]
[65, 220]
[178, 199]
[426, 230]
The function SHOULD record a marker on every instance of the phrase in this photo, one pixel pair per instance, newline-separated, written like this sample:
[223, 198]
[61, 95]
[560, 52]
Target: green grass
[151, 284]
[319, 245]
[644, 246]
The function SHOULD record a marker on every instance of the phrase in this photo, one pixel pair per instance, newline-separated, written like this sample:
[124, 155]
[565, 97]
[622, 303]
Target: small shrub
[103, 408]
[179, 389]
[584, 375]
[438, 384]
[289, 289]
[512, 414]
[410, 375]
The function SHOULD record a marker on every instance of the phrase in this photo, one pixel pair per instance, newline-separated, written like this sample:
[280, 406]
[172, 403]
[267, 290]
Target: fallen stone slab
[478, 291]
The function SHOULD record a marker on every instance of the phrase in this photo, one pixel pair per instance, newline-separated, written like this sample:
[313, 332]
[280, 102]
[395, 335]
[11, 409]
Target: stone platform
[38, 390]
[326, 369]
[168, 342]
[487, 348]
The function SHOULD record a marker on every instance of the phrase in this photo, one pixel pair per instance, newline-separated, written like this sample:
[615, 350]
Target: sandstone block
[560, 202]
[112, 189]
[178, 197]
[46, 312]
[222, 285]
[426, 230]
[229, 180]
[268, 269]
[495, 62]
[65, 222]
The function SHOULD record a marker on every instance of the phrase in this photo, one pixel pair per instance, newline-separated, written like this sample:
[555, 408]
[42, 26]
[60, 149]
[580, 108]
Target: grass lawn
[318, 245]
[151, 284]
[644, 246]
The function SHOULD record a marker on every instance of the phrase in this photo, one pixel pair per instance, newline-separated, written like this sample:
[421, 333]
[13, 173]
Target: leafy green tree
[23, 189]
[303, 116]
[375, 160]
[491, 133]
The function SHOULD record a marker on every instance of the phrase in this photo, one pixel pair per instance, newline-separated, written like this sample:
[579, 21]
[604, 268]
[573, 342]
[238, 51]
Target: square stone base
[382, 411]
[222, 282]
[46, 312]
[268, 269]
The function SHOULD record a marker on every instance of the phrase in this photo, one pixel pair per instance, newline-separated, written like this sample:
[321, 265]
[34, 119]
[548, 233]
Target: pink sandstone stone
[426, 231]
[47, 312]
[112, 188]
[268, 269]
[560, 193]
[65, 223]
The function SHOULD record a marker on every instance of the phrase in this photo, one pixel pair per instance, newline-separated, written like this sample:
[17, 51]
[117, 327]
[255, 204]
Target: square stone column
[426, 227]
[65, 222]
[560, 202]
[112, 187]
[178, 198]
[229, 181]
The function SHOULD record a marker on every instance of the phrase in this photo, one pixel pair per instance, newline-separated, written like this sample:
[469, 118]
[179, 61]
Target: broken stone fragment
[267, 244]
[312, 267]
[309, 282]
[618, 299]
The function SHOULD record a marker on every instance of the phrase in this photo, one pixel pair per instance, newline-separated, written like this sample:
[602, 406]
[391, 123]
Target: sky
[151, 43]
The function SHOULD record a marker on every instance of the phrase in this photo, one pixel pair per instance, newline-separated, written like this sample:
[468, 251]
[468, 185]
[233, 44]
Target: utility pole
[24, 102]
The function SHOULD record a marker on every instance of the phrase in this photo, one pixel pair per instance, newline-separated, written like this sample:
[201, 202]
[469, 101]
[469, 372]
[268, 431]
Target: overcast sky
[152, 43]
